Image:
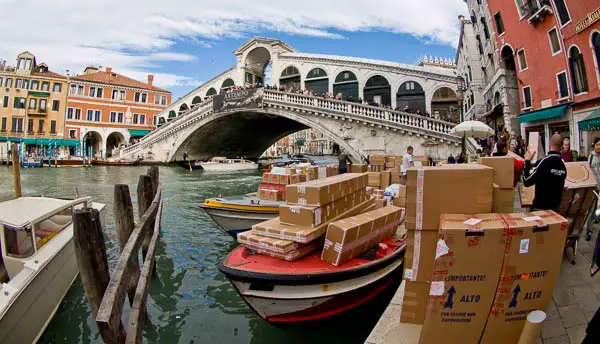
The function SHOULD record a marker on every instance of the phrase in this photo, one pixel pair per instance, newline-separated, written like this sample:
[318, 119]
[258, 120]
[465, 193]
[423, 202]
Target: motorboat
[31, 162]
[117, 162]
[224, 164]
[70, 161]
[39, 257]
[238, 214]
[190, 164]
[310, 288]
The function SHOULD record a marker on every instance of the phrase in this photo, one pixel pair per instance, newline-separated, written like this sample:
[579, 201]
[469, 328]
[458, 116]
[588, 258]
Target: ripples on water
[190, 301]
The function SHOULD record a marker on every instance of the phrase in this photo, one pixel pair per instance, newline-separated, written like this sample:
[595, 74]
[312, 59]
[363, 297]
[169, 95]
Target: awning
[39, 94]
[11, 139]
[47, 142]
[547, 113]
[138, 132]
[591, 122]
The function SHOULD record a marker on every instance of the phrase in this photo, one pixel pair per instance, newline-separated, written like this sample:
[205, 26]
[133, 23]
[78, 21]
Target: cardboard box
[396, 177]
[275, 229]
[420, 161]
[291, 255]
[414, 303]
[450, 189]
[252, 240]
[324, 172]
[504, 200]
[358, 168]
[269, 195]
[469, 256]
[526, 195]
[324, 191]
[284, 179]
[579, 175]
[381, 202]
[534, 250]
[297, 178]
[273, 178]
[385, 179]
[504, 170]
[399, 202]
[420, 255]
[377, 159]
[347, 238]
[578, 196]
[307, 216]
[376, 168]
[374, 179]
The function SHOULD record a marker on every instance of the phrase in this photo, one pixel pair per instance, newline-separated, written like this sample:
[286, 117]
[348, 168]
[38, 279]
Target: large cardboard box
[450, 189]
[469, 256]
[293, 254]
[414, 303]
[504, 200]
[504, 170]
[526, 195]
[269, 195]
[284, 179]
[374, 179]
[420, 255]
[377, 159]
[534, 248]
[420, 161]
[307, 216]
[275, 229]
[358, 168]
[396, 177]
[324, 191]
[385, 179]
[579, 175]
[253, 241]
[347, 238]
[297, 178]
[325, 172]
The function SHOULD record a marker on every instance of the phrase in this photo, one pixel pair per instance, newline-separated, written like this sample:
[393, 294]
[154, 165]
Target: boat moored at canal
[38, 254]
[224, 164]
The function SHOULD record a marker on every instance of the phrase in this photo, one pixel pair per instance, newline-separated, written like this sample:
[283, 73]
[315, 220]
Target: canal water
[190, 301]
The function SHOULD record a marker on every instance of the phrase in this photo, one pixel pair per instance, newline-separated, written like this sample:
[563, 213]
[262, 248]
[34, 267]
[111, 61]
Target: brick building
[107, 111]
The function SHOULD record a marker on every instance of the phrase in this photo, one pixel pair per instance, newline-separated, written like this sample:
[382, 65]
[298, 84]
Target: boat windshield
[18, 241]
[49, 227]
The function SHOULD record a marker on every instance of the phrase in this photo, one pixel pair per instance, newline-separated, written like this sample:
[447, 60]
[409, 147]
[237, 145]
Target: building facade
[469, 68]
[33, 102]
[107, 111]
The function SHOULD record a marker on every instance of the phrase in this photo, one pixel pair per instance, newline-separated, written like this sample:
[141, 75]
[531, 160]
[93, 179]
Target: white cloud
[137, 35]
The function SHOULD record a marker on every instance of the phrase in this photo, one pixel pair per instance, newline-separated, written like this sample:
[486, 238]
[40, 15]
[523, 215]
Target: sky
[186, 42]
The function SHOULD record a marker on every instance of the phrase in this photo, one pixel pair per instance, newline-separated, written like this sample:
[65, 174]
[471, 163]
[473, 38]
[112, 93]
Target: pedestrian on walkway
[594, 161]
[566, 153]
[342, 159]
[548, 176]
[519, 164]
[407, 162]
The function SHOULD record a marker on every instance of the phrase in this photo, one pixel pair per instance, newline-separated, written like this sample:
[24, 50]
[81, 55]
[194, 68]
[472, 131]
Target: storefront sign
[242, 99]
[588, 21]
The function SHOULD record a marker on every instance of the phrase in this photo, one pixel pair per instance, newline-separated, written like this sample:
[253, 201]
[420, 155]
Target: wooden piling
[125, 224]
[16, 170]
[144, 197]
[153, 173]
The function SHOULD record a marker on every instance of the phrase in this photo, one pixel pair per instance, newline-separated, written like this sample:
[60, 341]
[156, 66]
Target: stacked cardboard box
[358, 168]
[431, 192]
[272, 187]
[324, 191]
[578, 197]
[504, 175]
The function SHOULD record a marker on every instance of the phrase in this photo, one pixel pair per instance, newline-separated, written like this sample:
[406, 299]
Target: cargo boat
[238, 214]
[74, 162]
[115, 162]
[310, 288]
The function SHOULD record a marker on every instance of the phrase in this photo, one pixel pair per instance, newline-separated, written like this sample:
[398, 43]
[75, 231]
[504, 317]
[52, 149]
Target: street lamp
[460, 95]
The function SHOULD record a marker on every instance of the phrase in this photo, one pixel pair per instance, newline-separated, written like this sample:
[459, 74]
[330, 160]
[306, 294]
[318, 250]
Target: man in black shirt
[342, 159]
[548, 176]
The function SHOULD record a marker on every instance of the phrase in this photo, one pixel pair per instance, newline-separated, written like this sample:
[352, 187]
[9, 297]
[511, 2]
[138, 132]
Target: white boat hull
[236, 221]
[213, 167]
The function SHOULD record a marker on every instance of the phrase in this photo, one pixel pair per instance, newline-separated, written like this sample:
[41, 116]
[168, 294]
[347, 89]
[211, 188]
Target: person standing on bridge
[342, 159]
[407, 162]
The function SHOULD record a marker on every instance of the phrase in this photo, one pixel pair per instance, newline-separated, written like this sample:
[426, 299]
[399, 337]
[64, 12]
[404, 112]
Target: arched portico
[93, 144]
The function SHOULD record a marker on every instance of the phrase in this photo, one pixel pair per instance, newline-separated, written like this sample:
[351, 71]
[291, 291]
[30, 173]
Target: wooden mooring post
[16, 170]
[107, 294]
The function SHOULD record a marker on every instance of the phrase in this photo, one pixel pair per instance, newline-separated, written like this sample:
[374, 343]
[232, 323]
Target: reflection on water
[190, 301]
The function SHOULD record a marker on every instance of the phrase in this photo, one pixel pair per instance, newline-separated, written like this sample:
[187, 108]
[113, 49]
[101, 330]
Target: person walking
[566, 153]
[407, 162]
[548, 176]
[342, 159]
[594, 161]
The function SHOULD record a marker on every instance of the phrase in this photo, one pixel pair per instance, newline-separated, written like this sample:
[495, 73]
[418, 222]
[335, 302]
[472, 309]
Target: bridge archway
[183, 108]
[197, 100]
[317, 81]
[411, 97]
[445, 104]
[227, 84]
[256, 64]
[211, 92]
[346, 84]
[172, 115]
[377, 90]
[114, 142]
[290, 78]
[92, 142]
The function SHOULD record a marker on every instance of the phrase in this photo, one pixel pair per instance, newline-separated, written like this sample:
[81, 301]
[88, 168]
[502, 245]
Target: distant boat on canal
[38, 254]
[117, 162]
[223, 164]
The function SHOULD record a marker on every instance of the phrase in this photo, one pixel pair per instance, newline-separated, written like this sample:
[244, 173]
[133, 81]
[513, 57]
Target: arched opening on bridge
[161, 121]
[196, 101]
[255, 65]
[290, 78]
[227, 84]
[114, 141]
[172, 115]
[377, 91]
[444, 105]
[92, 143]
[508, 58]
[410, 97]
[317, 81]
[346, 85]
[211, 92]
[183, 108]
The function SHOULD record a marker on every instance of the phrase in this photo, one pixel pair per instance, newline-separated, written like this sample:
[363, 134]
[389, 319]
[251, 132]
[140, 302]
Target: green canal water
[190, 301]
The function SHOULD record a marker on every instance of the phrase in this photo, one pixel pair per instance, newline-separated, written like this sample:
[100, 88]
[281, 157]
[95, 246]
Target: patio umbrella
[473, 129]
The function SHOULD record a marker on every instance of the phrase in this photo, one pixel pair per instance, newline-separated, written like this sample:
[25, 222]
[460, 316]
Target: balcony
[38, 112]
[537, 10]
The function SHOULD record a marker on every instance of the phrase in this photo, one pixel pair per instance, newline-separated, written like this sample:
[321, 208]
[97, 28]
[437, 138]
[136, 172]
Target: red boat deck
[241, 259]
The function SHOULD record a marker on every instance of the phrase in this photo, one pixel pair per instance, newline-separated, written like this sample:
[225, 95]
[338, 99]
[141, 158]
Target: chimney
[150, 80]
[107, 75]
[108, 70]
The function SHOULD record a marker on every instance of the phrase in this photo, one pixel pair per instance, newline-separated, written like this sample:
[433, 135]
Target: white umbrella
[473, 129]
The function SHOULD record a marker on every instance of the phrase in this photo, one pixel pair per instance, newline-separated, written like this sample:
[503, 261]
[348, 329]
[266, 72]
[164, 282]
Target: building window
[5, 101]
[57, 87]
[120, 117]
[136, 97]
[52, 127]
[92, 92]
[527, 97]
[522, 60]
[121, 95]
[17, 125]
[486, 31]
[554, 42]
[1, 80]
[3, 124]
[8, 82]
[563, 85]
[563, 12]
[72, 133]
[135, 118]
[144, 97]
[99, 92]
[19, 103]
[70, 113]
[521, 8]
[142, 119]
[80, 89]
[163, 100]
[43, 103]
[41, 126]
[596, 47]
[30, 128]
[55, 105]
[90, 115]
[115, 94]
[78, 114]
[156, 97]
[19, 83]
[578, 74]
[25, 84]
[97, 115]
[35, 85]
[32, 103]
[113, 117]
[479, 45]
[73, 90]
[45, 86]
